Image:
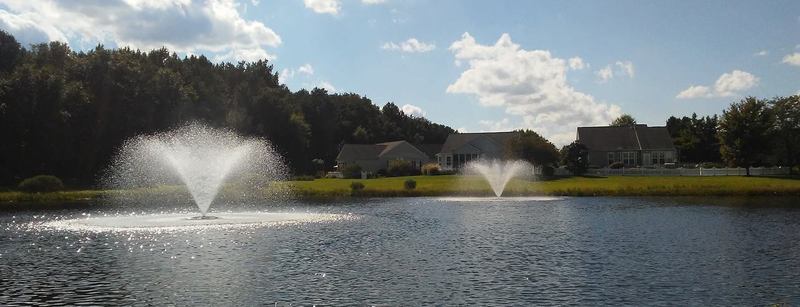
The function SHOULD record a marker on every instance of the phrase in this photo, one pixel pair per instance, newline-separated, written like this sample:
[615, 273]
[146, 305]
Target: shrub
[616, 165]
[304, 178]
[410, 184]
[41, 183]
[431, 169]
[548, 171]
[356, 187]
[401, 168]
[352, 171]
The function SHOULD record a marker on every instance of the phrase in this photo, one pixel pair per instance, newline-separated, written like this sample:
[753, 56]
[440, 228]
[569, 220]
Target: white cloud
[373, 1]
[462, 130]
[180, 25]
[531, 84]
[324, 6]
[327, 86]
[288, 73]
[576, 63]
[412, 110]
[792, 59]
[306, 69]
[625, 68]
[695, 91]
[494, 126]
[761, 53]
[410, 45]
[604, 74]
[727, 85]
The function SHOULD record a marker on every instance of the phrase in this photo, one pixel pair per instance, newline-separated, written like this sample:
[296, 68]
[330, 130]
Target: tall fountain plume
[499, 172]
[202, 158]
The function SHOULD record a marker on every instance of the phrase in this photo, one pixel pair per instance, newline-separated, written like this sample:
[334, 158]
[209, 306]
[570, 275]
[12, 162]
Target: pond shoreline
[438, 186]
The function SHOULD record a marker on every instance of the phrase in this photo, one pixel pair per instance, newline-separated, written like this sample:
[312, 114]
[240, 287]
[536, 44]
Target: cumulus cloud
[411, 45]
[576, 63]
[623, 68]
[531, 84]
[494, 126]
[604, 74]
[327, 86]
[412, 110]
[289, 73]
[727, 85]
[373, 1]
[792, 59]
[324, 6]
[181, 25]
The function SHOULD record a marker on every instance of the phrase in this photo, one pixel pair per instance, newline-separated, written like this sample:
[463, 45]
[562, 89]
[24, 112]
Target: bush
[431, 169]
[616, 165]
[304, 178]
[410, 184]
[352, 171]
[356, 187]
[548, 171]
[401, 168]
[41, 183]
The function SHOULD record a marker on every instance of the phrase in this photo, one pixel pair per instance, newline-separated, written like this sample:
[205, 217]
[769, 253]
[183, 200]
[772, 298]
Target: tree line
[66, 112]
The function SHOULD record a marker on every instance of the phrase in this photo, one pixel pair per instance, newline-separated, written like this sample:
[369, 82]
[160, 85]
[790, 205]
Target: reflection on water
[424, 251]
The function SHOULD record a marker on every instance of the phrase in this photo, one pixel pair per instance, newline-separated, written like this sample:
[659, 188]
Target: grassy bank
[476, 186]
[574, 186]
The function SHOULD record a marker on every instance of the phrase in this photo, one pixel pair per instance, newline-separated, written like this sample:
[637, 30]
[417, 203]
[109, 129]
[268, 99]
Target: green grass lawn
[476, 186]
[573, 186]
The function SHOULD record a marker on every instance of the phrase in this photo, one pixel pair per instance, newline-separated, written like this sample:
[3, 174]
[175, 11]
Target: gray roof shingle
[635, 137]
[458, 140]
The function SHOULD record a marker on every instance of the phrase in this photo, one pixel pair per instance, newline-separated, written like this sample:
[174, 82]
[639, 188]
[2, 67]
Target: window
[658, 157]
[629, 158]
[449, 160]
[611, 158]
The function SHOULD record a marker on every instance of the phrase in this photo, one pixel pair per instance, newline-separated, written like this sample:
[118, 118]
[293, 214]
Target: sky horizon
[475, 66]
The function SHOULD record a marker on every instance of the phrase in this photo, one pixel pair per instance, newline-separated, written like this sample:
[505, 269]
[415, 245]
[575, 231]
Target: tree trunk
[747, 171]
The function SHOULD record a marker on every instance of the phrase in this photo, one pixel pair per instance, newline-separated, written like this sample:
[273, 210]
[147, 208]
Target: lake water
[415, 251]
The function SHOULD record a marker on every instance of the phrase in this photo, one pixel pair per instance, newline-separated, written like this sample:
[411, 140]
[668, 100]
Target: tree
[10, 52]
[624, 120]
[695, 138]
[575, 157]
[532, 147]
[744, 132]
[787, 128]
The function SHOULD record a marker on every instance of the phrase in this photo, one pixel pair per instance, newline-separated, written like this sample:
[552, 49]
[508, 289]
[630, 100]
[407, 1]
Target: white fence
[755, 171]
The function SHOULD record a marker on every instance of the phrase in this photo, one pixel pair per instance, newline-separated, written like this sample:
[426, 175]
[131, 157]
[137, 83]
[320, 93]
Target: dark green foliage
[548, 171]
[532, 147]
[786, 111]
[575, 157]
[303, 178]
[624, 120]
[401, 168]
[356, 187]
[616, 165]
[744, 132]
[695, 138]
[351, 171]
[65, 113]
[431, 169]
[41, 183]
[410, 184]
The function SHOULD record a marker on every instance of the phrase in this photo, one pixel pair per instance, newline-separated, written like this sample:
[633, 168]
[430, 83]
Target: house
[375, 157]
[461, 148]
[633, 145]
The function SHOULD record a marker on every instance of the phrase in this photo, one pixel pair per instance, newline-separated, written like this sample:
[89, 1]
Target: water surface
[416, 251]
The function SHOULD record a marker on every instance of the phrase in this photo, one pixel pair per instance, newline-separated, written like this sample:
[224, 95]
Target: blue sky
[545, 65]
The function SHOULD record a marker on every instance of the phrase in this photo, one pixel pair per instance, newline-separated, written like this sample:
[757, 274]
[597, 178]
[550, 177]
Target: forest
[65, 113]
